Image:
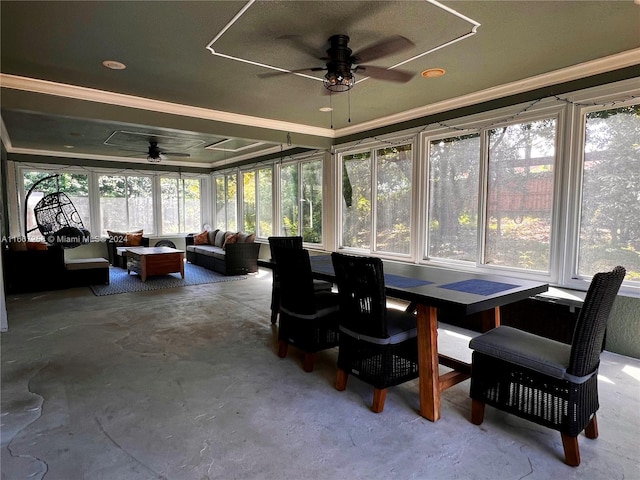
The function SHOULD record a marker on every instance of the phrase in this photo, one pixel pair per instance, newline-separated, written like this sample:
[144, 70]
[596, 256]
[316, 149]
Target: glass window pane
[289, 199]
[113, 203]
[453, 197]
[311, 201]
[520, 195]
[221, 195]
[610, 208]
[192, 215]
[180, 205]
[140, 204]
[169, 201]
[75, 186]
[265, 203]
[249, 201]
[126, 203]
[393, 199]
[356, 200]
[231, 196]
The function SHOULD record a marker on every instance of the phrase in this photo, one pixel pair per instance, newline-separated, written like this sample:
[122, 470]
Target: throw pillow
[117, 237]
[233, 238]
[201, 238]
[133, 240]
[251, 238]
[212, 236]
[121, 237]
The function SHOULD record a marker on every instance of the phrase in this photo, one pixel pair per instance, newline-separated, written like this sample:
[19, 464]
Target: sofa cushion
[86, 263]
[208, 250]
[212, 236]
[220, 236]
[244, 237]
[229, 239]
[201, 238]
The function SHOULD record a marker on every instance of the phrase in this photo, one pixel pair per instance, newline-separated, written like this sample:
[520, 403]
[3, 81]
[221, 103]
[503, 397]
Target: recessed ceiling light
[433, 72]
[326, 109]
[114, 65]
[69, 146]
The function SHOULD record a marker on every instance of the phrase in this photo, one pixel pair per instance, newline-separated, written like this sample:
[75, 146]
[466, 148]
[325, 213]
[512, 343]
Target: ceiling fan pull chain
[331, 107]
[349, 104]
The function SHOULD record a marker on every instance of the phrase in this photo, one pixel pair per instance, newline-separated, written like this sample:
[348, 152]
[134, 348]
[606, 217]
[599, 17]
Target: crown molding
[130, 101]
[574, 72]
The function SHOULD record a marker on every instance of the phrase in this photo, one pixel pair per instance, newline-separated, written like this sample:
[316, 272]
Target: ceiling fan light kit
[335, 82]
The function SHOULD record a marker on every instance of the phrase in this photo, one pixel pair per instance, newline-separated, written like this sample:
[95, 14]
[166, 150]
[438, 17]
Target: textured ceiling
[177, 89]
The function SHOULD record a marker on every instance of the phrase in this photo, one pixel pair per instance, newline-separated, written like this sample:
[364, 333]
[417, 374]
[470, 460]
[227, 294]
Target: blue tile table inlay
[479, 287]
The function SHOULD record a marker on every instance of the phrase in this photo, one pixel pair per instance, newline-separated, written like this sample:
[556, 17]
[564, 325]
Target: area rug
[121, 282]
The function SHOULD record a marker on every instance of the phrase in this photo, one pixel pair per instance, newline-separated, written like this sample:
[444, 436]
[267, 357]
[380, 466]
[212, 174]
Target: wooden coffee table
[148, 261]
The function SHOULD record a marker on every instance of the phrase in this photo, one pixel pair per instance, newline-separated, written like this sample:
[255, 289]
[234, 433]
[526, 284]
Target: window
[376, 199]
[609, 231]
[454, 165]
[301, 200]
[226, 198]
[74, 185]
[257, 202]
[265, 203]
[520, 195]
[126, 203]
[180, 198]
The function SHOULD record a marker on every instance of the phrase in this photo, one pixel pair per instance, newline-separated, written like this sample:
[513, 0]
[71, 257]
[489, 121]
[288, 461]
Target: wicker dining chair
[287, 242]
[544, 381]
[308, 317]
[377, 344]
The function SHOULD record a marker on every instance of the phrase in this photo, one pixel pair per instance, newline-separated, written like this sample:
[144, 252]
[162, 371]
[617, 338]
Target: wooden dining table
[430, 289]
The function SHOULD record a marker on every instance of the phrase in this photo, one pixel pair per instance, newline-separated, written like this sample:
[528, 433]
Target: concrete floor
[185, 384]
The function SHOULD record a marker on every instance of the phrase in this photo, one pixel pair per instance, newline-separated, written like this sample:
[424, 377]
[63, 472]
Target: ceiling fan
[342, 63]
[155, 154]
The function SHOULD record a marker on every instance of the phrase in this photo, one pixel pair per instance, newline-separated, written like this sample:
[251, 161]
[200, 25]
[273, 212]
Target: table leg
[427, 322]
[490, 319]
[180, 256]
[143, 268]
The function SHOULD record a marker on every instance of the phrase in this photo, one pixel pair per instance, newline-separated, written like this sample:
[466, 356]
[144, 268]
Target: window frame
[299, 162]
[583, 103]
[93, 173]
[372, 148]
[482, 124]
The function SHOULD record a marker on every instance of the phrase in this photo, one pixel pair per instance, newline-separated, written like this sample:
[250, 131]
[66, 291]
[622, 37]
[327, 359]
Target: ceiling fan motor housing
[339, 77]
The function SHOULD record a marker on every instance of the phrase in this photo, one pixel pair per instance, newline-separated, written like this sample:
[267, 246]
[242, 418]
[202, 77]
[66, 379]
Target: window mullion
[483, 189]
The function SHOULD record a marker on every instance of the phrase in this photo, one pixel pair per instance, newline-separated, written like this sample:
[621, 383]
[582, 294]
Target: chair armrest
[188, 240]
[242, 256]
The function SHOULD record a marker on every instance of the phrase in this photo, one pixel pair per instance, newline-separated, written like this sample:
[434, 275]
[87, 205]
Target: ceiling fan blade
[379, 73]
[175, 154]
[383, 48]
[299, 70]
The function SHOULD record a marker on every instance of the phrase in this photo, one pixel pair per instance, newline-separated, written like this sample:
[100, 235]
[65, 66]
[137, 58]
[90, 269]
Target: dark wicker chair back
[296, 281]
[308, 317]
[360, 282]
[284, 242]
[377, 345]
[588, 335]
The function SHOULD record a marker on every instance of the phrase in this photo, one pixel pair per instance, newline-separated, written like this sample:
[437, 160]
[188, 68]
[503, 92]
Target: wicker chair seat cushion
[325, 302]
[401, 326]
[208, 250]
[319, 285]
[527, 350]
